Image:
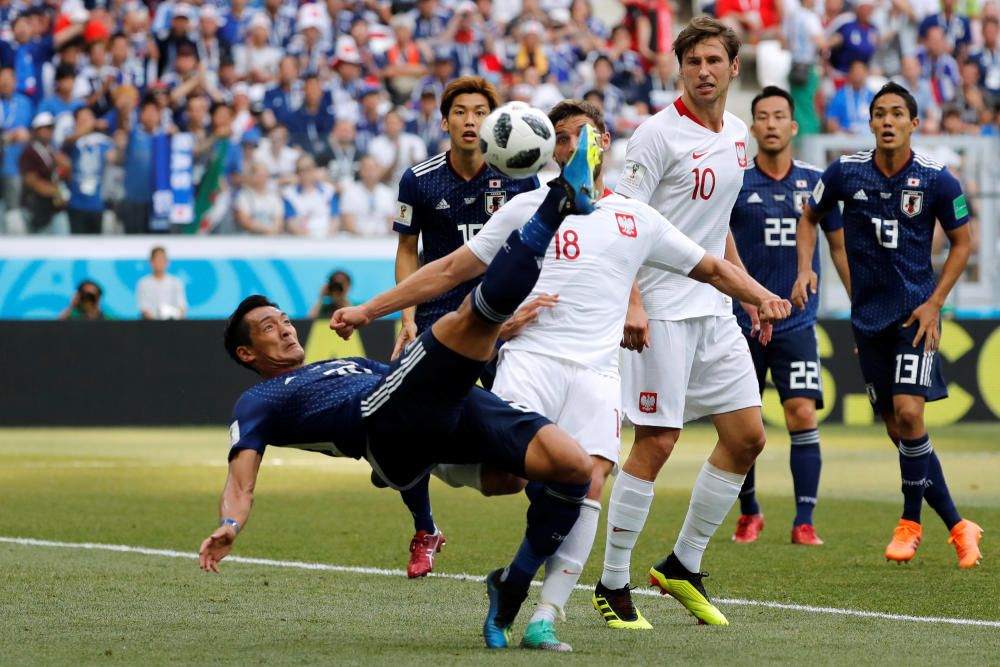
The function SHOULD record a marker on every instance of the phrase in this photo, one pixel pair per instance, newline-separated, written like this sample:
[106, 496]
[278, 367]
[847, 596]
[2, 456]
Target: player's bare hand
[635, 336]
[805, 286]
[526, 314]
[774, 309]
[346, 320]
[215, 547]
[928, 319]
[407, 334]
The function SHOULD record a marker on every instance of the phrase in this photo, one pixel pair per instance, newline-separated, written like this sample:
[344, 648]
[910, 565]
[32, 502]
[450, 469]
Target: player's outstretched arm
[234, 509]
[763, 330]
[805, 245]
[838, 253]
[736, 283]
[928, 315]
[636, 334]
[429, 281]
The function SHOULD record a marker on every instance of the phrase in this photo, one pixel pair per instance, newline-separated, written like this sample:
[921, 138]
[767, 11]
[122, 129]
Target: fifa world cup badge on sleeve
[633, 173]
[818, 191]
[404, 213]
[234, 433]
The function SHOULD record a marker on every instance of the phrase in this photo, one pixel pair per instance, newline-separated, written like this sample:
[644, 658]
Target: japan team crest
[801, 197]
[741, 154]
[912, 202]
[626, 224]
[647, 401]
[494, 200]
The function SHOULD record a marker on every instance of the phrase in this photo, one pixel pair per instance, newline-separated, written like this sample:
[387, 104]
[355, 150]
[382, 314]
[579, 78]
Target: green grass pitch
[159, 488]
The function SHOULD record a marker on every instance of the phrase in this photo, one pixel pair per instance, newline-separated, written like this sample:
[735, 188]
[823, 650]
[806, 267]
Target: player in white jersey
[564, 365]
[687, 161]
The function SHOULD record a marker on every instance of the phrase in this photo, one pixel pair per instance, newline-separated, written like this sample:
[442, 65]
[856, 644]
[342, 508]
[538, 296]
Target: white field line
[168, 553]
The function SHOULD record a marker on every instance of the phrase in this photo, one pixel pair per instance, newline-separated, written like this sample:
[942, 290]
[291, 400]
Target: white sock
[714, 494]
[628, 508]
[459, 474]
[563, 568]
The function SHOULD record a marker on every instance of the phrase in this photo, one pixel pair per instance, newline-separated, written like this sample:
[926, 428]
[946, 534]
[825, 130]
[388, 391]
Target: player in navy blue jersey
[444, 201]
[423, 409]
[763, 221]
[891, 197]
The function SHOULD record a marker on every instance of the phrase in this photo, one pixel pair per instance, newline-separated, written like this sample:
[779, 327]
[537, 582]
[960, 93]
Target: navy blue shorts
[892, 366]
[426, 411]
[793, 358]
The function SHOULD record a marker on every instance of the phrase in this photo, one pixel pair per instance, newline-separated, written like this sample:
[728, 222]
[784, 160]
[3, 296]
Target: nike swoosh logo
[616, 529]
[697, 156]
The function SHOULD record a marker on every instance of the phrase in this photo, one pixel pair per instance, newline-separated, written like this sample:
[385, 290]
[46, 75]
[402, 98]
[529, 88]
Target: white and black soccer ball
[517, 140]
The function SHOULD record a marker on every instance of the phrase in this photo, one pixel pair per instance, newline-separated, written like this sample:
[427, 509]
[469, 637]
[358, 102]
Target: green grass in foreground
[159, 488]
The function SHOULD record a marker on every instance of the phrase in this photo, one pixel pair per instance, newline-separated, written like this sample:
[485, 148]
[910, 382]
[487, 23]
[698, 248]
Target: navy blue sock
[937, 495]
[512, 274]
[914, 459]
[418, 501]
[551, 516]
[748, 494]
[806, 463]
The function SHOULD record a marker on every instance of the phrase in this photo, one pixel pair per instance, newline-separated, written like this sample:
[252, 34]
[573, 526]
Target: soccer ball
[517, 140]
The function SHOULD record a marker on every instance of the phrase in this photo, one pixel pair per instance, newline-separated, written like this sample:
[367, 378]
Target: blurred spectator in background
[910, 78]
[61, 104]
[403, 64]
[15, 119]
[277, 157]
[346, 85]
[311, 206]
[848, 109]
[970, 99]
[211, 48]
[333, 295]
[395, 151]
[530, 49]
[854, 39]
[181, 17]
[160, 296]
[89, 151]
[938, 66]
[803, 33]
[258, 208]
[613, 98]
[86, 303]
[426, 122]
[42, 196]
[308, 47]
[33, 49]
[257, 58]
[311, 123]
[752, 20]
[955, 27]
[987, 57]
[660, 88]
[136, 207]
[371, 119]
[368, 207]
[342, 157]
[283, 98]
[97, 78]
[429, 21]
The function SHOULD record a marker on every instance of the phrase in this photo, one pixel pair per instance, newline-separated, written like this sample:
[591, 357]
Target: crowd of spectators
[298, 118]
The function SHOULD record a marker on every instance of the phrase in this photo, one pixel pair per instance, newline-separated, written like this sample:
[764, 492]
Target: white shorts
[693, 368]
[581, 401]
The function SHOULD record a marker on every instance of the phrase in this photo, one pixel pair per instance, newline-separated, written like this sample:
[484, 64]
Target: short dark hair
[65, 71]
[569, 108]
[469, 85]
[237, 331]
[893, 88]
[157, 249]
[772, 91]
[705, 27]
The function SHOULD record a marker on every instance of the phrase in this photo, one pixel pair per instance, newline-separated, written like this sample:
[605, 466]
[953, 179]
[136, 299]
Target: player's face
[467, 113]
[568, 136]
[274, 344]
[773, 127]
[891, 123]
[706, 71]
